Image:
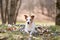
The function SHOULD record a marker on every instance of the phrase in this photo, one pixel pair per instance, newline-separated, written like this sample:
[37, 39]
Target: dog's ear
[32, 16]
[25, 16]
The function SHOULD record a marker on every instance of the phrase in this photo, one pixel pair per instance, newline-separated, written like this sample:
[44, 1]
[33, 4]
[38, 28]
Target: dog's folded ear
[32, 16]
[25, 16]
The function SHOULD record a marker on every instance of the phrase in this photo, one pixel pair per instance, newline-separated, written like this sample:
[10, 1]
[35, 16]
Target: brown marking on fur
[25, 16]
[32, 17]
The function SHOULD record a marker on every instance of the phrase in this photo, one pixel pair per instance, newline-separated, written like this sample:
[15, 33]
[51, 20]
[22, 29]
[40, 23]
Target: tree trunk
[14, 8]
[6, 10]
[58, 13]
[3, 14]
[9, 7]
[17, 9]
[58, 19]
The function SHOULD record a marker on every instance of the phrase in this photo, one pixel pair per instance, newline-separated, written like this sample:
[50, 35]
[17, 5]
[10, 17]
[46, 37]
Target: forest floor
[18, 35]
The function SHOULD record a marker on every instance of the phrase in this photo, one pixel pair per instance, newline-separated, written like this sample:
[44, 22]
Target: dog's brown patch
[25, 16]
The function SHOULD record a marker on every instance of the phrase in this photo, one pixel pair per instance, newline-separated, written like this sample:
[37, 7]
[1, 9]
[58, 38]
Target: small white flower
[9, 25]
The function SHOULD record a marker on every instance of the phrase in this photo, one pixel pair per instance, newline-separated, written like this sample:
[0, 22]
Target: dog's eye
[30, 19]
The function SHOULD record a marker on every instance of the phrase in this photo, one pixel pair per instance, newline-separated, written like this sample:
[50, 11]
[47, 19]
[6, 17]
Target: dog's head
[29, 19]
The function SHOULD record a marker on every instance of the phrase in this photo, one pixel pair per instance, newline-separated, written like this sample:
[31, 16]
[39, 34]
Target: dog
[30, 25]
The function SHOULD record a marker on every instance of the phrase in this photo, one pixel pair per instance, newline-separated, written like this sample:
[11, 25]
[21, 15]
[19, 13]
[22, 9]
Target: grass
[17, 35]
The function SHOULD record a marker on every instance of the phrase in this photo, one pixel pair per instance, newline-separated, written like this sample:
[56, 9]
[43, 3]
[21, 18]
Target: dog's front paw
[30, 35]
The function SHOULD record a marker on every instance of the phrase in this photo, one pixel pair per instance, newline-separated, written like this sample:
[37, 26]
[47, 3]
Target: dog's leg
[26, 31]
[31, 33]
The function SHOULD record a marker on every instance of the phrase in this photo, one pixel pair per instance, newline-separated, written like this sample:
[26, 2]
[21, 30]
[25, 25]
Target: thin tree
[18, 5]
[58, 12]
[14, 7]
[3, 14]
[9, 9]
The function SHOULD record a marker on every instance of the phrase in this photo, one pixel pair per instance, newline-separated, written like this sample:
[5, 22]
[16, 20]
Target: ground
[17, 35]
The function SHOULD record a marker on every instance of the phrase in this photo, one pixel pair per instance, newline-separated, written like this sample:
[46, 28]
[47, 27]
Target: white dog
[30, 26]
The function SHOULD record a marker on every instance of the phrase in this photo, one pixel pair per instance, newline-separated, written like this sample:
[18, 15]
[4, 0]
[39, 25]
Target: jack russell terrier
[30, 26]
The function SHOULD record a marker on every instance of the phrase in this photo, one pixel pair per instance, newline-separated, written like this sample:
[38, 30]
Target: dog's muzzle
[27, 22]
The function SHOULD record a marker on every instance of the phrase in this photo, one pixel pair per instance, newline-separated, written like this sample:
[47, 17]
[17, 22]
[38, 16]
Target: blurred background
[43, 10]
[13, 11]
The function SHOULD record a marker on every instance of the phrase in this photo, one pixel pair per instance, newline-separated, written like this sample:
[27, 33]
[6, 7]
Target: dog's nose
[28, 22]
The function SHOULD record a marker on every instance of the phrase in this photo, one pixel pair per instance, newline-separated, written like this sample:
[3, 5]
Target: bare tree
[9, 14]
[17, 9]
[3, 14]
[58, 12]
[9, 9]
[14, 7]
